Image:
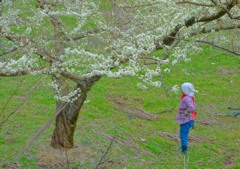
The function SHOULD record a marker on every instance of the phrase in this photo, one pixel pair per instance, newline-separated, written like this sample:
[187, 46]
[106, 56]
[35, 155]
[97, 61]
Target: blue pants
[184, 132]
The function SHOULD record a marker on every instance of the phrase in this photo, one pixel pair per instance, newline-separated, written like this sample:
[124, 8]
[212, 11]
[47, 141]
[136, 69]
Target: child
[186, 114]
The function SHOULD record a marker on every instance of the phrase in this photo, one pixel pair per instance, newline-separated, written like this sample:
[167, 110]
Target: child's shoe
[184, 150]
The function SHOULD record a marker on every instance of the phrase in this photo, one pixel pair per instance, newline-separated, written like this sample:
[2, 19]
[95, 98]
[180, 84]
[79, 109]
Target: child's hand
[187, 112]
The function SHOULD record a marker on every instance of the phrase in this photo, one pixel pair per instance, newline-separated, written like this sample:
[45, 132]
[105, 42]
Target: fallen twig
[232, 114]
[165, 111]
[128, 145]
[104, 155]
[230, 108]
[207, 122]
[44, 127]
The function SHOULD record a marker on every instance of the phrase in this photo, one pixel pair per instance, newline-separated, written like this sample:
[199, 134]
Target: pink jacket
[186, 103]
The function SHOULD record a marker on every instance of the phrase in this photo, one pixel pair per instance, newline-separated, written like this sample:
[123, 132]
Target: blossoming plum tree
[82, 41]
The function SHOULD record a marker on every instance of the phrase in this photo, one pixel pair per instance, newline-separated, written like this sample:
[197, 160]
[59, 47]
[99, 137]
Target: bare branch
[163, 85]
[230, 27]
[219, 47]
[39, 133]
[221, 6]
[10, 99]
[106, 152]
[212, 44]
[194, 3]
[21, 104]
[236, 17]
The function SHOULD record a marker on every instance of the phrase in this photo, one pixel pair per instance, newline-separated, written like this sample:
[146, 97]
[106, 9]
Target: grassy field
[107, 136]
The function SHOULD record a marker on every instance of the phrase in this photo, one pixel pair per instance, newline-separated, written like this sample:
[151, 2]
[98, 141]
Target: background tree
[77, 42]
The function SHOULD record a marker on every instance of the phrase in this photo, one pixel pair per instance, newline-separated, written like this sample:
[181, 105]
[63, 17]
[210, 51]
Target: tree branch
[42, 130]
[219, 14]
[10, 50]
[168, 40]
[219, 47]
[11, 74]
[71, 76]
[220, 5]
[230, 27]
[10, 100]
[135, 6]
[214, 45]
[17, 73]
[22, 103]
[12, 37]
[85, 34]
[106, 152]
[194, 3]
[236, 17]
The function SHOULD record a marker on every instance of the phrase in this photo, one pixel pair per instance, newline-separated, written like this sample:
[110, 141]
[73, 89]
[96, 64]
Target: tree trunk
[66, 121]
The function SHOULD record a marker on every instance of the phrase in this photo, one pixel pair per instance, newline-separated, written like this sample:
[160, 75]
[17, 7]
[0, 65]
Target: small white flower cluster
[175, 88]
[145, 43]
[150, 82]
[142, 86]
[69, 98]
[166, 61]
[167, 70]
[127, 71]
[102, 71]
[75, 60]
[24, 63]
[182, 53]
[7, 20]
[28, 30]
[149, 75]
[128, 50]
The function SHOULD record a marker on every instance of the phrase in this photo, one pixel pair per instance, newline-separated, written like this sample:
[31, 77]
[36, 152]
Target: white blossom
[175, 88]
[87, 41]
[167, 70]
[142, 86]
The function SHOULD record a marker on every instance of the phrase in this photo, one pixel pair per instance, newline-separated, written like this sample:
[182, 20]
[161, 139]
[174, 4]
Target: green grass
[138, 142]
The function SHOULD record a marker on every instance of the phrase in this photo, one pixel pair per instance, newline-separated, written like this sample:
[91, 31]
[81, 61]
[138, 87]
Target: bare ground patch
[223, 71]
[11, 166]
[229, 161]
[226, 71]
[53, 158]
[207, 122]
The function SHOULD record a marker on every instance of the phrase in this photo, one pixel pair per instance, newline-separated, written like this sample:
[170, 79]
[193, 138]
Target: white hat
[188, 89]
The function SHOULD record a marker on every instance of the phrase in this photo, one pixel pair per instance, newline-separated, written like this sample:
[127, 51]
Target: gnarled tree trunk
[66, 121]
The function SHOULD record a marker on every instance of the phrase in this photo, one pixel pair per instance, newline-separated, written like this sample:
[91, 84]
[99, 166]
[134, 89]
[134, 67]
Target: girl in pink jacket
[186, 114]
